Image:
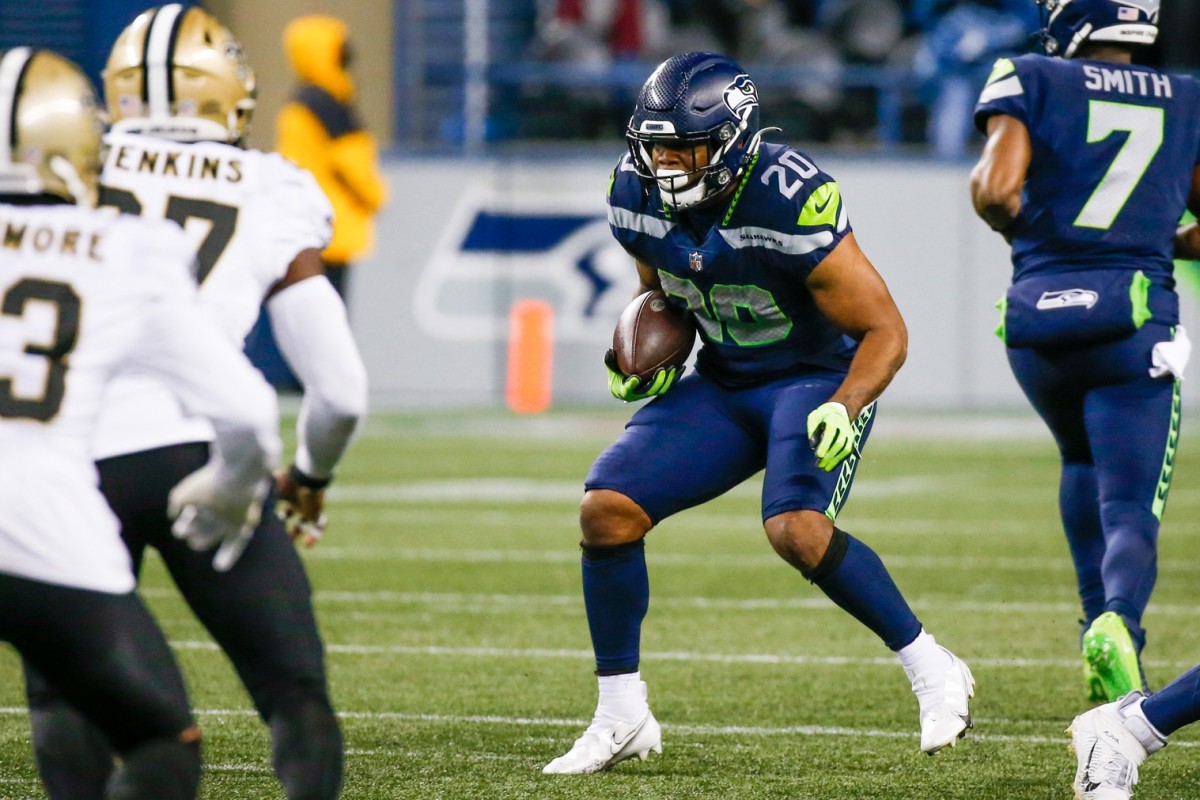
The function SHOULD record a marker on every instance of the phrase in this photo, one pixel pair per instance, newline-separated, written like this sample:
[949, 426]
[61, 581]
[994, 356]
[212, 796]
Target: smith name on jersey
[248, 215]
[744, 283]
[1114, 148]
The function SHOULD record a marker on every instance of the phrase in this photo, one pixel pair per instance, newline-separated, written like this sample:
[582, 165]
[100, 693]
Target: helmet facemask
[707, 154]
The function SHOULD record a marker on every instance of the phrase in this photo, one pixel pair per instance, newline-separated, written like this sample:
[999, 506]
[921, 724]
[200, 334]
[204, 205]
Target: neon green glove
[831, 435]
[625, 387]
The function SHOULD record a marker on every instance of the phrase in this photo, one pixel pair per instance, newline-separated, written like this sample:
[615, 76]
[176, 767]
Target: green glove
[625, 387]
[831, 435]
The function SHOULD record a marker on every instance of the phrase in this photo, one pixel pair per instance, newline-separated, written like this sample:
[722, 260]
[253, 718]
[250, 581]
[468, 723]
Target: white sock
[623, 696]
[923, 655]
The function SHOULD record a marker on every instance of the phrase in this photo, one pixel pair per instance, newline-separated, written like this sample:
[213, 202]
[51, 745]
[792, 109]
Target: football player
[800, 336]
[1111, 741]
[1089, 164]
[180, 95]
[87, 296]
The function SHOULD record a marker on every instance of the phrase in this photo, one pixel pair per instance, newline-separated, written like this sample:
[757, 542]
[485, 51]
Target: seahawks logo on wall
[741, 96]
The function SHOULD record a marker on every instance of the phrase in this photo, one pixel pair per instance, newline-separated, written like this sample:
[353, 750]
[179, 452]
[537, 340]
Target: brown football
[652, 334]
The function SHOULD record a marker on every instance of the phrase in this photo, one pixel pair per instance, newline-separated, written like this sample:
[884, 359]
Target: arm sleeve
[310, 324]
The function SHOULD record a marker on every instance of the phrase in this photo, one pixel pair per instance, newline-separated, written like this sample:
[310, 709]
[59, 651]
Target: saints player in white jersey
[180, 95]
[86, 296]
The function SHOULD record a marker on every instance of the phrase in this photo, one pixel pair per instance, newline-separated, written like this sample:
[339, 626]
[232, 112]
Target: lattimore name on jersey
[33, 239]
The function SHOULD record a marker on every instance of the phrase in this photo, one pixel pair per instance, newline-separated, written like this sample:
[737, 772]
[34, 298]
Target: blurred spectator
[765, 34]
[319, 129]
[591, 37]
[867, 33]
[960, 42]
[1177, 37]
[597, 32]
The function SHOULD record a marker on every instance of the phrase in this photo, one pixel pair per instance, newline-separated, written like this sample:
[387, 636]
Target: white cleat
[1107, 755]
[606, 742]
[943, 696]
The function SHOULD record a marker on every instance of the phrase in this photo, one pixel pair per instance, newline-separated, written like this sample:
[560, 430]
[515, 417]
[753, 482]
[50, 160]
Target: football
[650, 334]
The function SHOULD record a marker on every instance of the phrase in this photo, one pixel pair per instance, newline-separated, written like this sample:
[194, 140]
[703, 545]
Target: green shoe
[1108, 648]
[1093, 687]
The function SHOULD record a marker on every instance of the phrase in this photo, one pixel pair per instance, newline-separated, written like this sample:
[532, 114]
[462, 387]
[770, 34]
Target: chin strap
[1079, 39]
[176, 129]
[755, 141]
[79, 190]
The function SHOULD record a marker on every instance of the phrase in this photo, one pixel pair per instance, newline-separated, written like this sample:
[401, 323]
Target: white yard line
[527, 602]
[685, 730]
[567, 555]
[536, 490]
[683, 656]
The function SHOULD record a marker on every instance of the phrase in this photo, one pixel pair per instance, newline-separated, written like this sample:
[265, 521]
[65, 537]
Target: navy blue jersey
[1114, 147]
[744, 280]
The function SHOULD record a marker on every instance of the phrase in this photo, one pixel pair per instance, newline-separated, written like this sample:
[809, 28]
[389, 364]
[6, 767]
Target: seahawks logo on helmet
[741, 96]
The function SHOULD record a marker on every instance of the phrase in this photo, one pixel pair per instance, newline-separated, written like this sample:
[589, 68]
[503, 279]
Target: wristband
[307, 481]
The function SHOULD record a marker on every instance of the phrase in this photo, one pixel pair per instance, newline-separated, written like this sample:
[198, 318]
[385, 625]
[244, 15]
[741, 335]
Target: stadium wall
[463, 240]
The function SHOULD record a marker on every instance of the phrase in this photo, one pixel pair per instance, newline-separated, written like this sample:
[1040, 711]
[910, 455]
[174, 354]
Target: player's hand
[629, 387]
[831, 435]
[301, 507]
[207, 515]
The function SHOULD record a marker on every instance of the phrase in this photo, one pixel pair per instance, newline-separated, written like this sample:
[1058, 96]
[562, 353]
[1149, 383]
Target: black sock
[162, 769]
[306, 748]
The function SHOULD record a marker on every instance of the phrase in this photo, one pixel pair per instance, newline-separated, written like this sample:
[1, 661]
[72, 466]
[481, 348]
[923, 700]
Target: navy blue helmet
[1072, 22]
[692, 100]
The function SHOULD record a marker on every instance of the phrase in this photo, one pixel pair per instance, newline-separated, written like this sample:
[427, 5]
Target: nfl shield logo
[696, 261]
[1127, 14]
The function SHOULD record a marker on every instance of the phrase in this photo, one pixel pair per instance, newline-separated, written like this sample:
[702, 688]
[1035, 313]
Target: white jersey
[247, 213]
[86, 295]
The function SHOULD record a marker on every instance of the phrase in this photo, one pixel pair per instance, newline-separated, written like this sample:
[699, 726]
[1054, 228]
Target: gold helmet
[50, 127]
[177, 73]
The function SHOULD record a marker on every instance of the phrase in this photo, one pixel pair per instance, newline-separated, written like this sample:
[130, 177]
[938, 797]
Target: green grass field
[448, 593]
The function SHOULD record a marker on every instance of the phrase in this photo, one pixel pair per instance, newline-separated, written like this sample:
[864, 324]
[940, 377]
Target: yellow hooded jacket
[319, 130]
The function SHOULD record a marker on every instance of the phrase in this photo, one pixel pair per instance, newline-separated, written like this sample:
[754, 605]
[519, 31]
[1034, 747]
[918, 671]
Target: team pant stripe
[1168, 465]
[846, 475]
